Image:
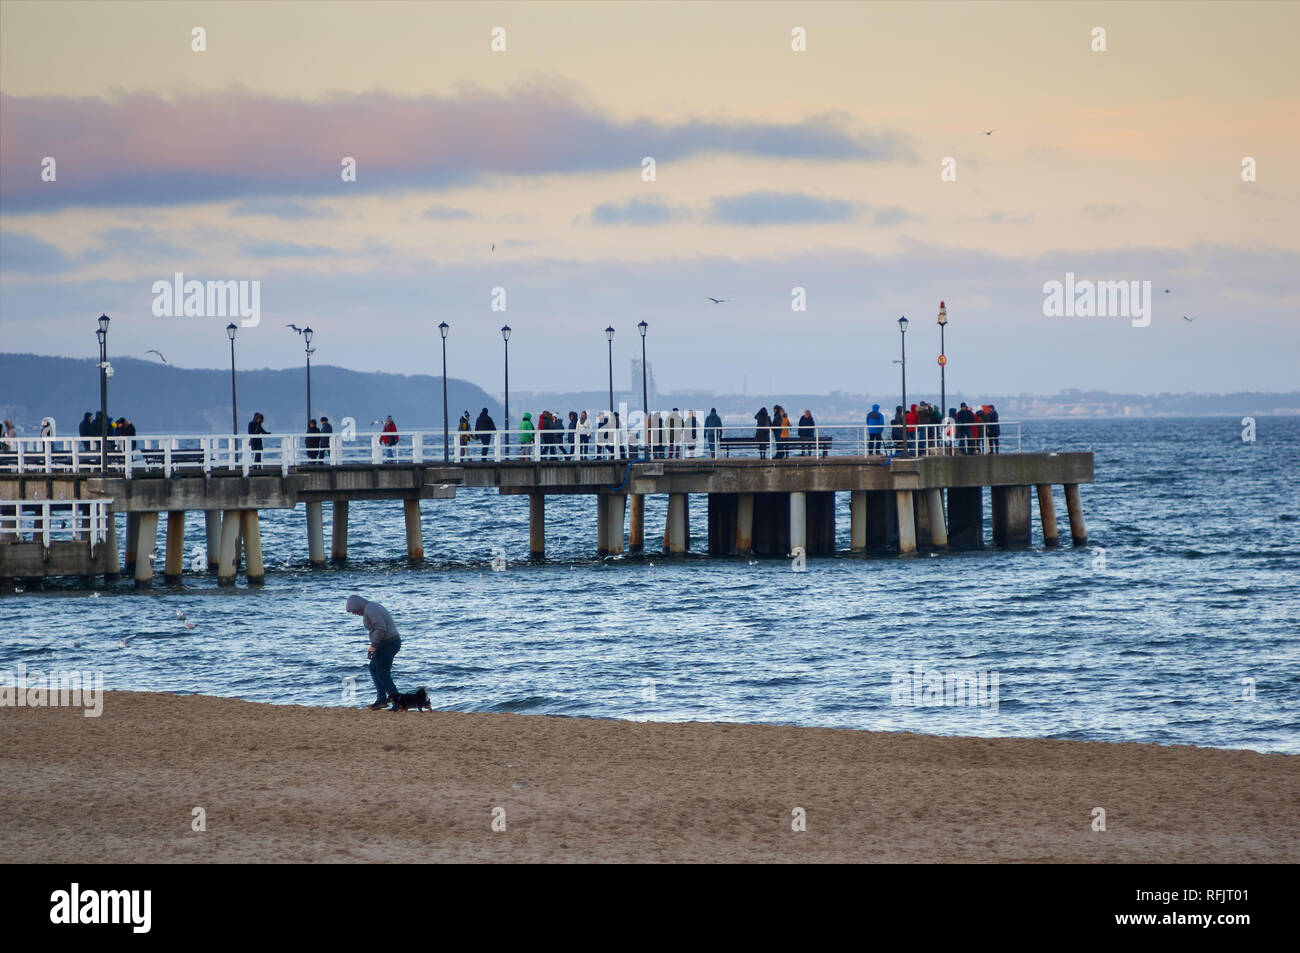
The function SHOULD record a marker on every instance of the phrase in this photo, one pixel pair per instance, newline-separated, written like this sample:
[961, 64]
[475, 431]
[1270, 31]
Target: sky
[852, 177]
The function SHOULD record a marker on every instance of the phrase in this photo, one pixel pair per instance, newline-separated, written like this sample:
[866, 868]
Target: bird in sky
[295, 327]
[1166, 291]
[989, 132]
[1186, 318]
[159, 353]
[492, 246]
[717, 300]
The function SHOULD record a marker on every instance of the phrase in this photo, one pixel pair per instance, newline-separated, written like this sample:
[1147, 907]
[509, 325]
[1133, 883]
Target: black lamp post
[902, 333]
[505, 431]
[102, 334]
[645, 402]
[943, 360]
[443, 328]
[307, 333]
[609, 336]
[234, 404]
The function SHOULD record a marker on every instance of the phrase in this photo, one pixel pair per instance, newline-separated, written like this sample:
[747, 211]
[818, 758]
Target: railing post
[246, 458]
[285, 449]
[417, 447]
[45, 519]
[496, 445]
[375, 453]
[167, 459]
[21, 467]
[126, 456]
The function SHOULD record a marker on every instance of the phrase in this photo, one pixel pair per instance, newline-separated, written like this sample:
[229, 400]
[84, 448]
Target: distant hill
[159, 398]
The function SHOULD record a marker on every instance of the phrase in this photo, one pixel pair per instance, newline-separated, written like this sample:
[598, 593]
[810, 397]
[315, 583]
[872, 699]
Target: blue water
[1197, 589]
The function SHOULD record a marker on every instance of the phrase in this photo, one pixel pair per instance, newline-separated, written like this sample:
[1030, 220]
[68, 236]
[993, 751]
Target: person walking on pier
[875, 427]
[525, 433]
[485, 427]
[712, 428]
[462, 435]
[994, 429]
[964, 420]
[584, 436]
[573, 434]
[324, 440]
[312, 442]
[255, 445]
[384, 643]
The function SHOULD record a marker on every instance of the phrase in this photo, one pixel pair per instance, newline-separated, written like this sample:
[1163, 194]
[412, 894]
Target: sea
[1176, 624]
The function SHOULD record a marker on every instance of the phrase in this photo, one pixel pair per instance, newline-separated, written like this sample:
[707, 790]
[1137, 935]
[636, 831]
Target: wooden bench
[791, 445]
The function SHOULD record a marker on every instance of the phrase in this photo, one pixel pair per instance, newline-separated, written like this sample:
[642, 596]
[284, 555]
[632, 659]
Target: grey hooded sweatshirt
[376, 619]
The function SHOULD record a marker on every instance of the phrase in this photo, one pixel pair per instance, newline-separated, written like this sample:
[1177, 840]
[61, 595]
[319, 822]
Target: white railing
[171, 454]
[46, 520]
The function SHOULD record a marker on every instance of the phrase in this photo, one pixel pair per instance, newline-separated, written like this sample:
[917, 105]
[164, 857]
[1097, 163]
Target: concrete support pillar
[212, 525]
[229, 541]
[882, 521]
[251, 528]
[414, 538]
[132, 540]
[636, 524]
[798, 522]
[722, 523]
[114, 558]
[1078, 532]
[1011, 516]
[615, 514]
[602, 524]
[316, 533]
[921, 505]
[675, 528]
[339, 531]
[537, 525]
[938, 520]
[858, 521]
[175, 558]
[966, 517]
[906, 522]
[744, 524]
[819, 513]
[1047, 515]
[146, 540]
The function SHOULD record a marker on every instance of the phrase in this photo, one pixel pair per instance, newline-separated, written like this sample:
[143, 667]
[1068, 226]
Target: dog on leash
[418, 699]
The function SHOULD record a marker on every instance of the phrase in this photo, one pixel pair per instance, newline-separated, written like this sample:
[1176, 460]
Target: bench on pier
[817, 446]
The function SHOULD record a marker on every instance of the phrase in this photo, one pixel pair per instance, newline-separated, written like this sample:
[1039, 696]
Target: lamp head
[943, 313]
[443, 328]
[642, 328]
[505, 332]
[103, 324]
[230, 330]
[902, 325]
[609, 334]
[307, 333]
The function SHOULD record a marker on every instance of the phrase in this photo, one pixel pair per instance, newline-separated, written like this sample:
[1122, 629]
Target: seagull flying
[492, 246]
[989, 132]
[717, 300]
[159, 353]
[295, 327]
[1186, 318]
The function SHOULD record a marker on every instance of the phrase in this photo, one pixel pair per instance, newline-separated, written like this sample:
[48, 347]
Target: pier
[58, 507]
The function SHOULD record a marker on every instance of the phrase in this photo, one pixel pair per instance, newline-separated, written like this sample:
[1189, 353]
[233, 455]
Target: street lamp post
[443, 328]
[645, 402]
[102, 334]
[505, 431]
[307, 333]
[902, 333]
[609, 336]
[234, 404]
[943, 360]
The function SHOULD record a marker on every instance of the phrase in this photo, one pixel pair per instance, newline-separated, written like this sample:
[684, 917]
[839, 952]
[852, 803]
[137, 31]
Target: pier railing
[51, 520]
[169, 454]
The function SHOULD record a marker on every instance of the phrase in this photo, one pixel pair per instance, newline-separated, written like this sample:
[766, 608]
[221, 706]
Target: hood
[356, 604]
[875, 408]
[527, 415]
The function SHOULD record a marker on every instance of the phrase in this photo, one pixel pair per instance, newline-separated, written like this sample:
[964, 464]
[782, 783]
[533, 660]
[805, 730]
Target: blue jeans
[381, 668]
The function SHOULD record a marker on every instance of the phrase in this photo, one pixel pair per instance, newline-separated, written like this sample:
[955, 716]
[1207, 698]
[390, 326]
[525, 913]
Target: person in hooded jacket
[911, 419]
[964, 421]
[806, 431]
[583, 428]
[712, 428]
[384, 643]
[526, 432]
[762, 430]
[875, 427]
[485, 427]
[994, 428]
[897, 435]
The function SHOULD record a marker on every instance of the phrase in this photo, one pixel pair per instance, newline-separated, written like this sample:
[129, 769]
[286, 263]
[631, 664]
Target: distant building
[635, 385]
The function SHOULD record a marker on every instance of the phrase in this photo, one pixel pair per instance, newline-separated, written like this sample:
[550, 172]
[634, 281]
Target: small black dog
[418, 699]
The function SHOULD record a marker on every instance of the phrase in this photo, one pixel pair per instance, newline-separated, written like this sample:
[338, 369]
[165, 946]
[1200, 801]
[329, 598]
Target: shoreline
[287, 783]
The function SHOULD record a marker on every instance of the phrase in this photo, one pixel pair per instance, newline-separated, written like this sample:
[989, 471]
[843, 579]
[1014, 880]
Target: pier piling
[675, 527]
[906, 522]
[339, 531]
[212, 527]
[315, 533]
[229, 540]
[537, 525]
[744, 524]
[146, 540]
[1047, 515]
[414, 537]
[858, 521]
[1011, 516]
[1078, 532]
[132, 540]
[636, 524]
[114, 568]
[965, 517]
[938, 519]
[174, 563]
[798, 522]
[251, 528]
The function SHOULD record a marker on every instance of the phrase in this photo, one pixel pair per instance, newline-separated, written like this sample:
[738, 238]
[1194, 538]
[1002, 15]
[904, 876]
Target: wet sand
[292, 784]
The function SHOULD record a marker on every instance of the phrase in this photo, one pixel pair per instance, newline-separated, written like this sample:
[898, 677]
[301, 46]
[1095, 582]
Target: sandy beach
[294, 784]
